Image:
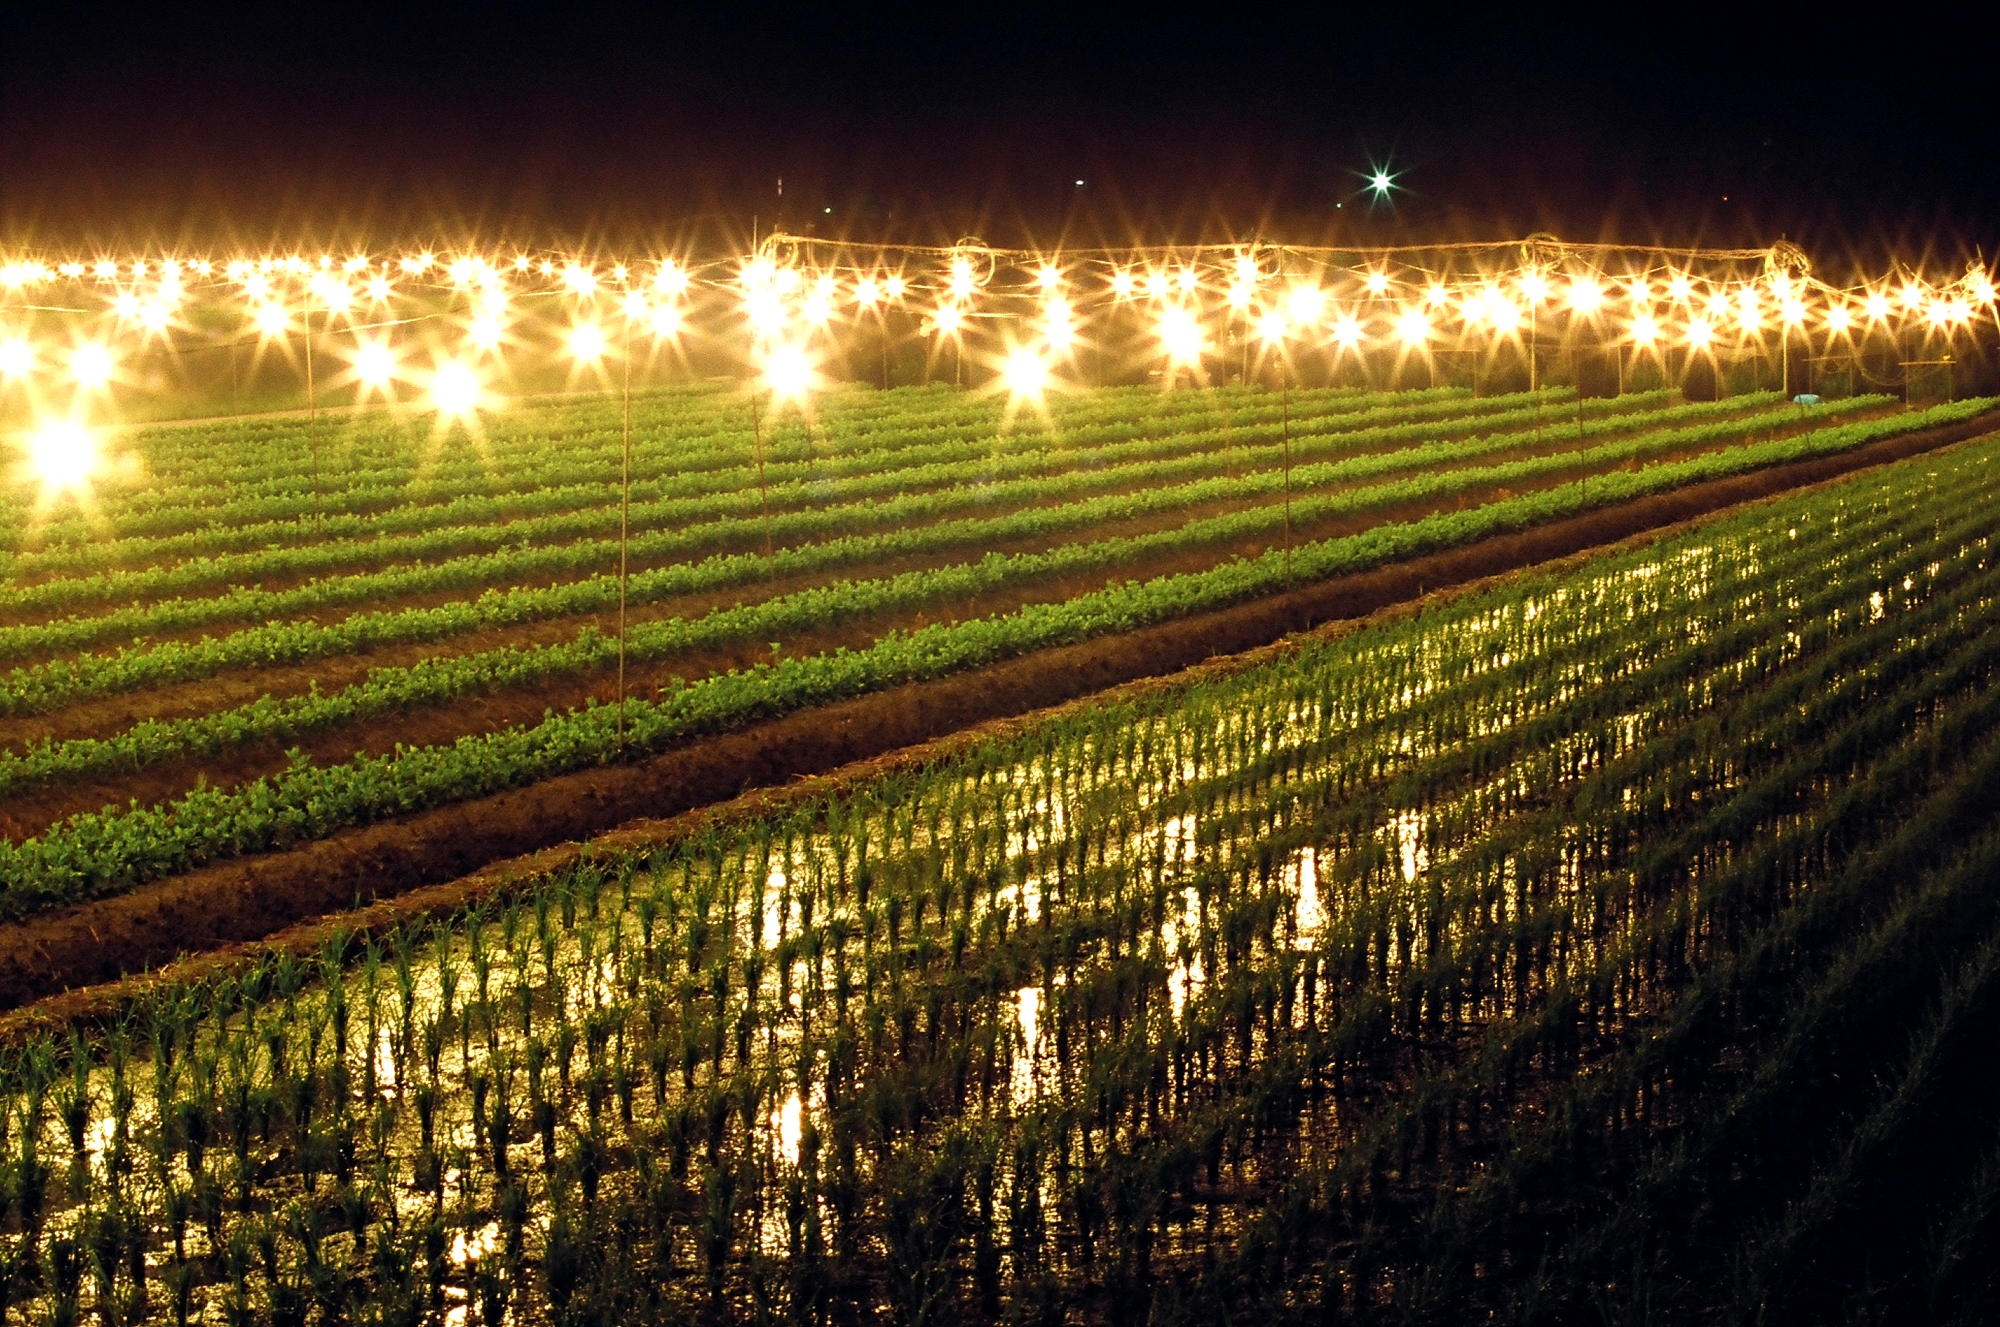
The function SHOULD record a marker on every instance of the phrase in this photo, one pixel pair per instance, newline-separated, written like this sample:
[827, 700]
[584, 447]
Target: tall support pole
[1285, 397]
[312, 416]
[624, 520]
[763, 490]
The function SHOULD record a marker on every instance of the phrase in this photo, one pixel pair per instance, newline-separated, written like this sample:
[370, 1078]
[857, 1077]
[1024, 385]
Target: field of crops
[260, 634]
[1616, 943]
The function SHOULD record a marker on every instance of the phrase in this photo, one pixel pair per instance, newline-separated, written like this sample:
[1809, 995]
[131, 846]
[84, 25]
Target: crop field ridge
[1608, 939]
[235, 901]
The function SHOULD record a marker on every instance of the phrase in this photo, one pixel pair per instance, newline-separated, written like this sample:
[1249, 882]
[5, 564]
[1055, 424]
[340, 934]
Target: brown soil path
[237, 901]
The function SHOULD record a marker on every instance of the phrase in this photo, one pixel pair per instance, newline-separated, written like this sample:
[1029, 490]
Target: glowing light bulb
[1749, 313]
[1246, 269]
[1347, 331]
[867, 292]
[272, 320]
[1304, 303]
[818, 309]
[1378, 283]
[787, 280]
[961, 278]
[586, 343]
[1645, 329]
[1792, 310]
[666, 321]
[671, 277]
[1980, 287]
[1838, 319]
[486, 332]
[91, 366]
[1122, 284]
[17, 357]
[634, 306]
[455, 389]
[1181, 335]
[1877, 305]
[1534, 288]
[1413, 328]
[1057, 328]
[1700, 333]
[378, 290]
[765, 311]
[1187, 280]
[1912, 294]
[1271, 327]
[1025, 374]
[374, 365]
[1240, 295]
[895, 286]
[948, 319]
[788, 372]
[1680, 289]
[1156, 284]
[107, 271]
[1585, 295]
[1436, 295]
[62, 454]
[578, 279]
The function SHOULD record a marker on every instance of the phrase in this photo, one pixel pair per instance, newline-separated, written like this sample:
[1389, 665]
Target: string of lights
[435, 327]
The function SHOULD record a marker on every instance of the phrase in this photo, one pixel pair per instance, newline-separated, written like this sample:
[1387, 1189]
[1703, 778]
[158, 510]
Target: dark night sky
[587, 124]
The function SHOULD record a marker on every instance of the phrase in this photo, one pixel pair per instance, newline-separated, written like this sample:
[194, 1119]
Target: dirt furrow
[245, 900]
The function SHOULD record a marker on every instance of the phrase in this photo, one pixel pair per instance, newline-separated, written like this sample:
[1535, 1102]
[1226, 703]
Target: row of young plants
[805, 544]
[708, 421]
[429, 484]
[95, 853]
[113, 850]
[1131, 1015]
[1878, 909]
[395, 525]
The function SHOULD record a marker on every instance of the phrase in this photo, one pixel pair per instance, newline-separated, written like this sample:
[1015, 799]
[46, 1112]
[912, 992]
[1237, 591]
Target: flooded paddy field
[1617, 941]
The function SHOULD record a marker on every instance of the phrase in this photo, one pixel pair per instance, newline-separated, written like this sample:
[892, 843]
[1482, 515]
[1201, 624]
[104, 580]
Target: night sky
[589, 126]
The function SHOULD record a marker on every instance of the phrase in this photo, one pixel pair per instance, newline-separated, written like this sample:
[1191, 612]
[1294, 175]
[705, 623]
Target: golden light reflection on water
[1115, 892]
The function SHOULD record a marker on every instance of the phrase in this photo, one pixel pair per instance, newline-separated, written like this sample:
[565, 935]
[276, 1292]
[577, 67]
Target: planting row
[1161, 1007]
[95, 853]
[804, 544]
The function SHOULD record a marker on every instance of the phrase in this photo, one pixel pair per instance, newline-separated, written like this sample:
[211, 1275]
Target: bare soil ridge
[449, 855]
